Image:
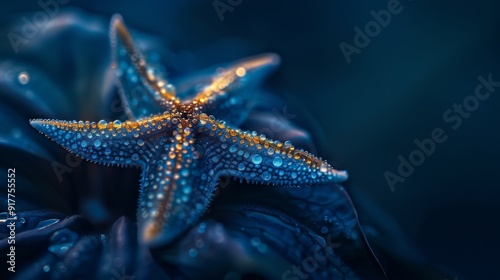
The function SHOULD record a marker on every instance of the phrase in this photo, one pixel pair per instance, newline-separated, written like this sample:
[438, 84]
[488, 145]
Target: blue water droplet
[324, 230]
[46, 223]
[193, 253]
[46, 268]
[266, 176]
[135, 157]
[255, 241]
[61, 241]
[140, 142]
[215, 158]
[233, 149]
[314, 175]
[185, 172]
[107, 151]
[187, 189]
[201, 227]
[256, 159]
[97, 143]
[199, 206]
[277, 161]
[294, 175]
[83, 144]
[241, 166]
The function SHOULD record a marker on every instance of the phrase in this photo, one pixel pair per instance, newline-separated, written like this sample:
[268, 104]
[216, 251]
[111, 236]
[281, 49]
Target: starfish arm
[142, 88]
[176, 190]
[228, 93]
[114, 143]
[254, 158]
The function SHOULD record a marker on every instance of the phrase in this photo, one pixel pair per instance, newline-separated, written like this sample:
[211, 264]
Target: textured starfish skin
[184, 150]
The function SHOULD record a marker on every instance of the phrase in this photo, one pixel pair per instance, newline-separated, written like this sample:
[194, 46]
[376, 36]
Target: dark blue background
[363, 115]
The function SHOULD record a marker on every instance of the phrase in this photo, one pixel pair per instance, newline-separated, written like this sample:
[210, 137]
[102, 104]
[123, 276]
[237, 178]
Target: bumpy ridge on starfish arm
[255, 158]
[113, 143]
[222, 82]
[119, 31]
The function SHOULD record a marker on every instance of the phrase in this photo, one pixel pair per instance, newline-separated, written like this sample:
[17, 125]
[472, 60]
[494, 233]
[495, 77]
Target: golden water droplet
[102, 124]
[241, 72]
[117, 124]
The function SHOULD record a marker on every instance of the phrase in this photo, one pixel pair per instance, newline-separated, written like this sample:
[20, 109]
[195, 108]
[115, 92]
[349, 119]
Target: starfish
[180, 146]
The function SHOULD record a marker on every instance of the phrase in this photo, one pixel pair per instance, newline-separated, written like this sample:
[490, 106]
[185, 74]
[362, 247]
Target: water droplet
[140, 142]
[277, 161]
[61, 267]
[266, 176]
[46, 223]
[294, 175]
[187, 189]
[215, 159]
[61, 241]
[117, 124]
[46, 268]
[323, 168]
[83, 144]
[97, 142]
[201, 227]
[324, 230]
[193, 253]
[255, 241]
[314, 175]
[107, 151]
[233, 149]
[135, 157]
[102, 124]
[256, 159]
[185, 172]
[241, 166]
[23, 78]
[170, 88]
